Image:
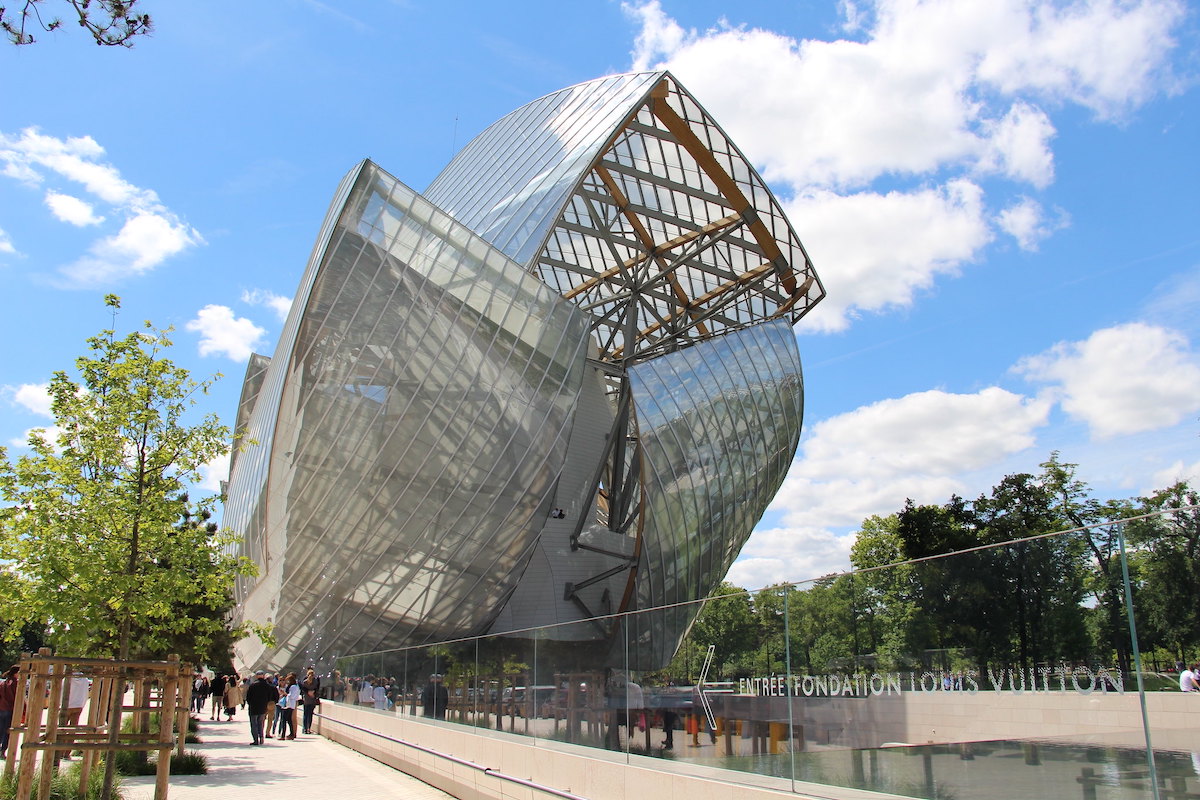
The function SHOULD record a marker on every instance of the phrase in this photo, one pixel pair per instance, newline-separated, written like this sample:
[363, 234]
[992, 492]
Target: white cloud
[1019, 145]
[73, 158]
[34, 397]
[1176, 472]
[659, 33]
[214, 472]
[1026, 222]
[1106, 55]
[1121, 380]
[935, 93]
[869, 460]
[787, 555]
[47, 433]
[263, 297]
[149, 234]
[930, 84]
[825, 113]
[223, 333]
[144, 242]
[875, 251]
[6, 245]
[71, 209]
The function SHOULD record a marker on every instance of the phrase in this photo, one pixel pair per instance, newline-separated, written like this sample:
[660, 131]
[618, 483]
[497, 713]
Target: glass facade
[559, 385]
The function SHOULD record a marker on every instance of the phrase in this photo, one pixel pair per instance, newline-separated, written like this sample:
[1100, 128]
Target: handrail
[464, 762]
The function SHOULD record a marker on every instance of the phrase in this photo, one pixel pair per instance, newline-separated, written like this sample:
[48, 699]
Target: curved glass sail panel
[510, 183]
[718, 424]
[421, 414]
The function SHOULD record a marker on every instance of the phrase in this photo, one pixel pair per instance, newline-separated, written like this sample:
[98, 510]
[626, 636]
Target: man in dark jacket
[260, 694]
[435, 698]
[217, 688]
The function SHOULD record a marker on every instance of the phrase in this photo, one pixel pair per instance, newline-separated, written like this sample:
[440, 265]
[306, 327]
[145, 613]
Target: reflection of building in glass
[560, 384]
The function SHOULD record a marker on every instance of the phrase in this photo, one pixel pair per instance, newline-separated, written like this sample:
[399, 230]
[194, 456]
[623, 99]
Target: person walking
[8, 699]
[287, 716]
[217, 689]
[232, 697]
[280, 704]
[200, 689]
[259, 696]
[310, 697]
[272, 707]
[435, 697]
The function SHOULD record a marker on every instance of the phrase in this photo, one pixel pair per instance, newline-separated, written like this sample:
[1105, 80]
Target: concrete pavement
[309, 766]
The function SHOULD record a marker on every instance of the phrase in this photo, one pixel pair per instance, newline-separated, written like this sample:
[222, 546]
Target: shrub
[135, 762]
[190, 763]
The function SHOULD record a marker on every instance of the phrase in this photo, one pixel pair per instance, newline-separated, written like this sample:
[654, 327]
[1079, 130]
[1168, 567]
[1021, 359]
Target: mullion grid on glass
[521, 153]
[398, 499]
[523, 278]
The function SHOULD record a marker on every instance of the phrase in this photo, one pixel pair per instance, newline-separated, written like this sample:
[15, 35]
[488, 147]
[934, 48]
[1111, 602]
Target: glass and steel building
[559, 384]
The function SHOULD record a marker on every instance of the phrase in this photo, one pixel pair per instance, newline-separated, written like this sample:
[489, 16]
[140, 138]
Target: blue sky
[1000, 197]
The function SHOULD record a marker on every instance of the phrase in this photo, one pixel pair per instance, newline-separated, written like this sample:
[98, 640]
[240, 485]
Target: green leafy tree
[889, 594]
[1168, 548]
[825, 627]
[768, 656]
[1100, 524]
[110, 22]
[1042, 580]
[947, 589]
[99, 536]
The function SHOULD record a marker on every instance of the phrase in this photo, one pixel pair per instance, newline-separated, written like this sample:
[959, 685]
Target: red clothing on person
[8, 694]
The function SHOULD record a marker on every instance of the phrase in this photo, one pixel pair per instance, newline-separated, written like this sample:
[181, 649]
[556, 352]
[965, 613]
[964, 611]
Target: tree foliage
[101, 541]
[112, 23]
[1168, 547]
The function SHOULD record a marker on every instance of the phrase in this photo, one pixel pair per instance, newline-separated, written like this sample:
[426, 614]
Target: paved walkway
[309, 766]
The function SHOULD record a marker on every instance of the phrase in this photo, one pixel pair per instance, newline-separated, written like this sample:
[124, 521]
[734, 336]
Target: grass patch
[65, 785]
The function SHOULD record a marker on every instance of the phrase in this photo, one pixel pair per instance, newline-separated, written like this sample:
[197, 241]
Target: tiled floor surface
[309, 766]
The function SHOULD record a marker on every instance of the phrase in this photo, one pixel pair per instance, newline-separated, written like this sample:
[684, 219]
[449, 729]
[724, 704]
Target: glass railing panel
[562, 699]
[659, 712]
[1160, 579]
[991, 673]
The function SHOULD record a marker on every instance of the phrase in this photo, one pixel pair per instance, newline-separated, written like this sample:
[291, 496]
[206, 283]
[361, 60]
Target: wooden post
[183, 708]
[141, 701]
[33, 726]
[183, 714]
[116, 702]
[95, 707]
[99, 702]
[53, 712]
[170, 694]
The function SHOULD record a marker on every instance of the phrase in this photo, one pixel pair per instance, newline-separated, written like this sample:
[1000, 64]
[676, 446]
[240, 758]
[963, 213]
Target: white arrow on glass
[700, 690]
